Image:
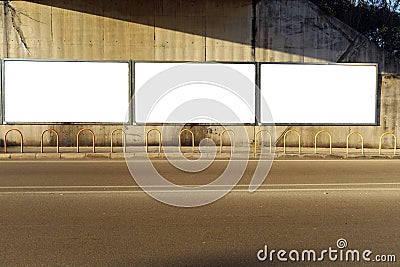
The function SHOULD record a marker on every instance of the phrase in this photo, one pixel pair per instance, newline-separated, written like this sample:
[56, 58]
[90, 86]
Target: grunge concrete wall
[195, 30]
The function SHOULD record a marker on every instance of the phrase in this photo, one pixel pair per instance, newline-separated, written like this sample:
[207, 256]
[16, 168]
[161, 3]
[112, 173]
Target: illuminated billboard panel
[318, 94]
[194, 93]
[61, 91]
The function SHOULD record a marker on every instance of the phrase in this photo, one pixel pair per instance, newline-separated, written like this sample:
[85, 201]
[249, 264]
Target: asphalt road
[92, 213]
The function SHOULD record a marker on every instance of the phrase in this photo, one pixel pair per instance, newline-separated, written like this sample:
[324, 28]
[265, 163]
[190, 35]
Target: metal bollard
[270, 141]
[284, 140]
[180, 139]
[41, 139]
[160, 140]
[21, 139]
[123, 133]
[330, 141]
[93, 139]
[362, 142]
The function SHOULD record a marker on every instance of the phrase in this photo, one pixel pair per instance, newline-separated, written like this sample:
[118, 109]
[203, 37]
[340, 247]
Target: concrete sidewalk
[70, 153]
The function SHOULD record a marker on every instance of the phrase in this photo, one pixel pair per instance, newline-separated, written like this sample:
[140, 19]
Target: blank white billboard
[318, 94]
[194, 93]
[48, 91]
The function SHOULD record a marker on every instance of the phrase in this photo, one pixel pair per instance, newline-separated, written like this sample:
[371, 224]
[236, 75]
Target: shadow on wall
[275, 30]
[198, 17]
[285, 30]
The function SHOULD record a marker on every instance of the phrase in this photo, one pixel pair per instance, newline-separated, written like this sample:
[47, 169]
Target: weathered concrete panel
[140, 30]
[179, 46]
[222, 50]
[275, 31]
[136, 135]
[298, 31]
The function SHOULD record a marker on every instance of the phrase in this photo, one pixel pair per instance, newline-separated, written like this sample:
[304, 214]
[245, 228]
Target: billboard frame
[131, 94]
[254, 123]
[377, 93]
[2, 91]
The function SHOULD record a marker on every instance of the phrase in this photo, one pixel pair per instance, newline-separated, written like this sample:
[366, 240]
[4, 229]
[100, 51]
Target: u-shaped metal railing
[93, 139]
[395, 142]
[57, 140]
[284, 140]
[192, 139]
[220, 139]
[362, 142]
[123, 134]
[159, 138]
[330, 141]
[270, 140]
[21, 139]
[180, 139]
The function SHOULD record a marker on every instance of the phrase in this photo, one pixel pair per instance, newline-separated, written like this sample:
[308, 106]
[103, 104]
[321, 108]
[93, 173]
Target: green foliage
[379, 20]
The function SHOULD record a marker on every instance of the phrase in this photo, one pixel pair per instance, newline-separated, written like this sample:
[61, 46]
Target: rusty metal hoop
[21, 138]
[220, 139]
[93, 139]
[284, 140]
[159, 138]
[395, 142]
[270, 140]
[362, 142]
[123, 133]
[330, 141]
[180, 139]
[41, 139]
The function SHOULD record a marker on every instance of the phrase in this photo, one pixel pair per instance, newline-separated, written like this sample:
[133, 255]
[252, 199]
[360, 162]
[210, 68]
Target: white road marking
[192, 185]
[238, 188]
[216, 190]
